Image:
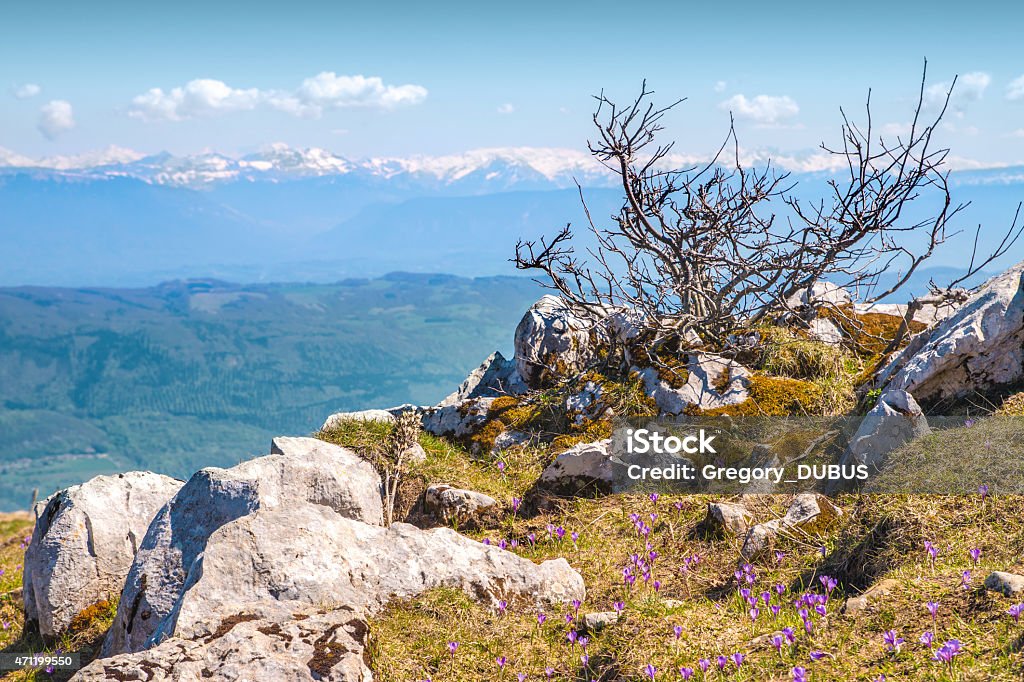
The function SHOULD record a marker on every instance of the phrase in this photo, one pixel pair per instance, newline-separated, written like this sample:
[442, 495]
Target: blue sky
[447, 77]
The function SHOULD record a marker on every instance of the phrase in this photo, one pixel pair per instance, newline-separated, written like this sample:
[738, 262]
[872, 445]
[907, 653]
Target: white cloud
[1015, 90]
[506, 108]
[55, 117]
[719, 86]
[1019, 132]
[26, 90]
[969, 88]
[766, 110]
[326, 91]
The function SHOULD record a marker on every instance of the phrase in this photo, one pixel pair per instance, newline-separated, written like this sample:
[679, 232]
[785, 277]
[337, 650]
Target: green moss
[775, 396]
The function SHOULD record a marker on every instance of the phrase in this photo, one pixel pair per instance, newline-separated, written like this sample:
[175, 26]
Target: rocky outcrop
[706, 382]
[258, 643]
[496, 376]
[809, 513]
[304, 554]
[457, 420]
[83, 544]
[894, 421]
[466, 410]
[977, 348]
[455, 505]
[873, 596]
[307, 471]
[552, 340]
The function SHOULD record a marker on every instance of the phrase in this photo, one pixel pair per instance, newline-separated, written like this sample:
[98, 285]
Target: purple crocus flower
[933, 608]
[650, 670]
[975, 555]
[983, 491]
[576, 604]
[502, 605]
[892, 641]
[1016, 610]
[775, 609]
[560, 532]
[516, 502]
[619, 606]
[685, 673]
[677, 631]
[787, 632]
[654, 498]
[722, 662]
[501, 661]
[549, 672]
[965, 580]
[927, 638]
[799, 674]
[521, 677]
[541, 617]
[777, 641]
[947, 652]
[737, 659]
[754, 613]
[703, 664]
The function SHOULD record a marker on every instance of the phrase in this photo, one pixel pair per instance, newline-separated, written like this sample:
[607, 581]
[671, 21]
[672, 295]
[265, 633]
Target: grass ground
[693, 586]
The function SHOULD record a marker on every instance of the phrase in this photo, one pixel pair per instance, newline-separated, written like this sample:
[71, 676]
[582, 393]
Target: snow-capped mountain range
[279, 162]
[491, 169]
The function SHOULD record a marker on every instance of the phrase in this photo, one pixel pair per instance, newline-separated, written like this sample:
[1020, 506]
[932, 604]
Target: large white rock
[310, 471]
[258, 643]
[711, 382]
[819, 295]
[83, 544]
[304, 554]
[553, 341]
[979, 347]
[585, 468]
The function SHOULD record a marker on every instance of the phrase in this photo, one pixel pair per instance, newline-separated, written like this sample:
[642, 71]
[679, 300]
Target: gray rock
[83, 544]
[459, 419]
[496, 376]
[361, 415]
[977, 348]
[305, 554]
[1007, 584]
[455, 505]
[875, 594]
[590, 467]
[510, 439]
[819, 295]
[711, 382]
[597, 621]
[311, 471]
[809, 513]
[257, 643]
[553, 341]
[415, 453]
[895, 420]
[928, 314]
[728, 518]
[585, 404]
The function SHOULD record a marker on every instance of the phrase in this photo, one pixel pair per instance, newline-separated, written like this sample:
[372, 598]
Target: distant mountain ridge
[117, 218]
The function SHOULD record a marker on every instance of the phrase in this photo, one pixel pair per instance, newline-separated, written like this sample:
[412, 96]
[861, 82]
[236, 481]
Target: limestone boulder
[553, 341]
[455, 505]
[303, 554]
[257, 643]
[977, 348]
[306, 471]
[83, 544]
[895, 420]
